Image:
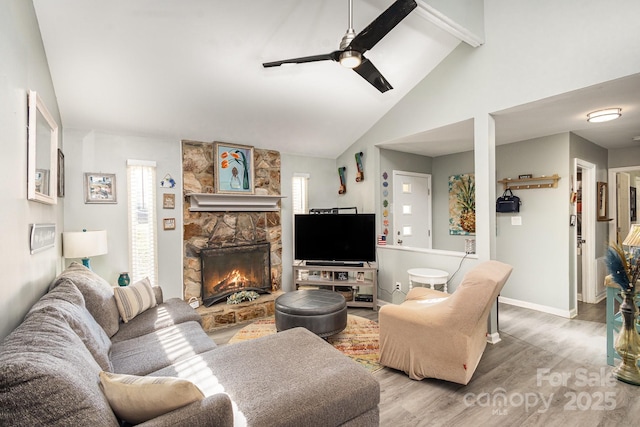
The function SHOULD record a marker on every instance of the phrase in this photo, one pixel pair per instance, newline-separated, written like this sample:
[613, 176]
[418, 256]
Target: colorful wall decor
[233, 169]
[343, 180]
[462, 205]
[360, 174]
[382, 239]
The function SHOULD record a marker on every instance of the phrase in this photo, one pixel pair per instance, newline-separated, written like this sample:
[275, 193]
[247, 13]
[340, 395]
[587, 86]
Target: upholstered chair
[438, 335]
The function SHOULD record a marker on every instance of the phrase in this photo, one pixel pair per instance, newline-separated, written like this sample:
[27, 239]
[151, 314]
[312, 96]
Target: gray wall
[91, 151]
[443, 168]
[538, 249]
[323, 187]
[23, 67]
[624, 157]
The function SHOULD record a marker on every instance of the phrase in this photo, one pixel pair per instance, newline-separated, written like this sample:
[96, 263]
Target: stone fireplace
[222, 228]
[231, 269]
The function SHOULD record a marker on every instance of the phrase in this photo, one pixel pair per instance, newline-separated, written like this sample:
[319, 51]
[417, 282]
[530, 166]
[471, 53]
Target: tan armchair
[438, 335]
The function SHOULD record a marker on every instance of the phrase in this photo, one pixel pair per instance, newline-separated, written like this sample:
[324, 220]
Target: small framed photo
[525, 176]
[327, 275]
[342, 275]
[168, 201]
[360, 276]
[99, 187]
[233, 168]
[169, 223]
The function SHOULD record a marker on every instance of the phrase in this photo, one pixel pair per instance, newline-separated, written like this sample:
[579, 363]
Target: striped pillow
[135, 299]
[137, 399]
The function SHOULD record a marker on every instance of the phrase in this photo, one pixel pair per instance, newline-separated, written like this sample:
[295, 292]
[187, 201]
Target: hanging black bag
[508, 202]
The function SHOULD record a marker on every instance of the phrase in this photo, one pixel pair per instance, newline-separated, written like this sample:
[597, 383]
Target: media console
[357, 283]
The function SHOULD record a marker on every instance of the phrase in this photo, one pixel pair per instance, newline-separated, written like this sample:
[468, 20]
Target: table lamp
[84, 244]
[633, 238]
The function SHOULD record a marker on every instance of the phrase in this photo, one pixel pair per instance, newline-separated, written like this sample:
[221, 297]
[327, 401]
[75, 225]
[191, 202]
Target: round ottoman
[321, 311]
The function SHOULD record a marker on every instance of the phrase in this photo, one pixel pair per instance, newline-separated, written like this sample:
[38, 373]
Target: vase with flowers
[624, 268]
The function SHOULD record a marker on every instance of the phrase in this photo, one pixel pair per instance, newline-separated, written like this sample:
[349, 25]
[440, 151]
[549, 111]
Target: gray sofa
[50, 366]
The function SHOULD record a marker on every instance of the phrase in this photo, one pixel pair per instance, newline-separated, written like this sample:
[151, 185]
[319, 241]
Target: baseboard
[538, 307]
[494, 338]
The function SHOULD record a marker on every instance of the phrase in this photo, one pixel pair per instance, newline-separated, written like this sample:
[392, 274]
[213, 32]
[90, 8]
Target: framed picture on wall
[169, 223]
[233, 168]
[99, 187]
[168, 201]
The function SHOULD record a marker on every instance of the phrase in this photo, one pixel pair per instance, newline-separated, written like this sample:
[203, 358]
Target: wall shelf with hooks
[531, 183]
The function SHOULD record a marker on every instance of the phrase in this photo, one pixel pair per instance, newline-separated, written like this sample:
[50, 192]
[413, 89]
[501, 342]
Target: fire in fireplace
[232, 269]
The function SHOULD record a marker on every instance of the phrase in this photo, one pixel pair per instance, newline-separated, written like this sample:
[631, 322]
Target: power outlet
[398, 286]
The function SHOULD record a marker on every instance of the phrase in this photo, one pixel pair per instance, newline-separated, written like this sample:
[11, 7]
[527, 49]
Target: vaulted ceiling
[192, 69]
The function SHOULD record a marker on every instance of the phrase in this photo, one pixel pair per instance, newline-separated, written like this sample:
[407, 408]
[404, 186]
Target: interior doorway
[623, 201]
[584, 288]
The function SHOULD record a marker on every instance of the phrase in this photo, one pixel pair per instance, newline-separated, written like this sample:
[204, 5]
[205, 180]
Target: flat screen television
[335, 238]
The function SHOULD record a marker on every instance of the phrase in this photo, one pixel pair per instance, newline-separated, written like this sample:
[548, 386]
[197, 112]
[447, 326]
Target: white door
[623, 182]
[586, 252]
[412, 209]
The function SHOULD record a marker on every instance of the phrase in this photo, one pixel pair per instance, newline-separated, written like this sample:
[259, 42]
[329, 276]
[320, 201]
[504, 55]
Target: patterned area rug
[359, 340]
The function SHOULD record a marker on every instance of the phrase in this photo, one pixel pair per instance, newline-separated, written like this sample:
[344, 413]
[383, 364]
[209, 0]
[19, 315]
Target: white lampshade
[84, 244]
[633, 238]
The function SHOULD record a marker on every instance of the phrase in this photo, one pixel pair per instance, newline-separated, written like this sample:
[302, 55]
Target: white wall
[91, 151]
[23, 67]
[532, 50]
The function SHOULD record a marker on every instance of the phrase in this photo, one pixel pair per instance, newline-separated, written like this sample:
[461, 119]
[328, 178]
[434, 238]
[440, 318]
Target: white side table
[428, 276]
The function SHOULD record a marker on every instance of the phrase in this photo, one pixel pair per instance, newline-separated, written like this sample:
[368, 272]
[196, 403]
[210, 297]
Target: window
[141, 181]
[299, 185]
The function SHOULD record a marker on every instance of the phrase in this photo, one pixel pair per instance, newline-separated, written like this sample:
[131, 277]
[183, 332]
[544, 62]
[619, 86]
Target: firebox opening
[231, 269]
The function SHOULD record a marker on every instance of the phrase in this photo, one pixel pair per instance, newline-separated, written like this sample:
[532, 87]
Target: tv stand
[357, 283]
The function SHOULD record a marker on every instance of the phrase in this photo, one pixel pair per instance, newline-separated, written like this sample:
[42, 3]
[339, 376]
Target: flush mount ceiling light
[604, 115]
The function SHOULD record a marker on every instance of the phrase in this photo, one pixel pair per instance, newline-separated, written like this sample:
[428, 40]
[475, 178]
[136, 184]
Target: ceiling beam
[444, 23]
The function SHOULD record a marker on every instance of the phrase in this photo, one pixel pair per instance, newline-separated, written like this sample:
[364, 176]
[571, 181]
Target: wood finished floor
[513, 368]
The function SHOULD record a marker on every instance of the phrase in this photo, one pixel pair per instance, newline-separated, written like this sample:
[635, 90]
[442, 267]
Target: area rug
[360, 339]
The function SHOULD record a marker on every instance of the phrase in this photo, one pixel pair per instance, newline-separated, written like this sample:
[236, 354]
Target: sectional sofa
[75, 361]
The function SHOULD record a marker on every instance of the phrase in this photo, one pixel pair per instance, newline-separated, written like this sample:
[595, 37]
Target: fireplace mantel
[209, 202]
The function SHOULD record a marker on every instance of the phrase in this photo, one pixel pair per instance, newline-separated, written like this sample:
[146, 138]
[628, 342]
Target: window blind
[299, 196]
[141, 180]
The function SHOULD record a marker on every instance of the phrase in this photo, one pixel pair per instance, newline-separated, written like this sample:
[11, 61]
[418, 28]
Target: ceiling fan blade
[384, 23]
[371, 74]
[333, 56]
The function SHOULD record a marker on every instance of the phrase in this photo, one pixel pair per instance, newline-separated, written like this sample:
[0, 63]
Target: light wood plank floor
[552, 371]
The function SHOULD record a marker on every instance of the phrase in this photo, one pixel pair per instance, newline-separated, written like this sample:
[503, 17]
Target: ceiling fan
[353, 47]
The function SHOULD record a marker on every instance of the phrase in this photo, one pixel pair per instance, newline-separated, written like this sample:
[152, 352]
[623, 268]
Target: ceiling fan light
[350, 59]
[604, 115]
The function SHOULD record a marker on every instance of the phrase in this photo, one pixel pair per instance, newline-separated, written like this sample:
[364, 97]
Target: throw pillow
[138, 399]
[134, 299]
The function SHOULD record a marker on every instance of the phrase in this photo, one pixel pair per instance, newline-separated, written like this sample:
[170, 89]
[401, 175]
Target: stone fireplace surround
[228, 228]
